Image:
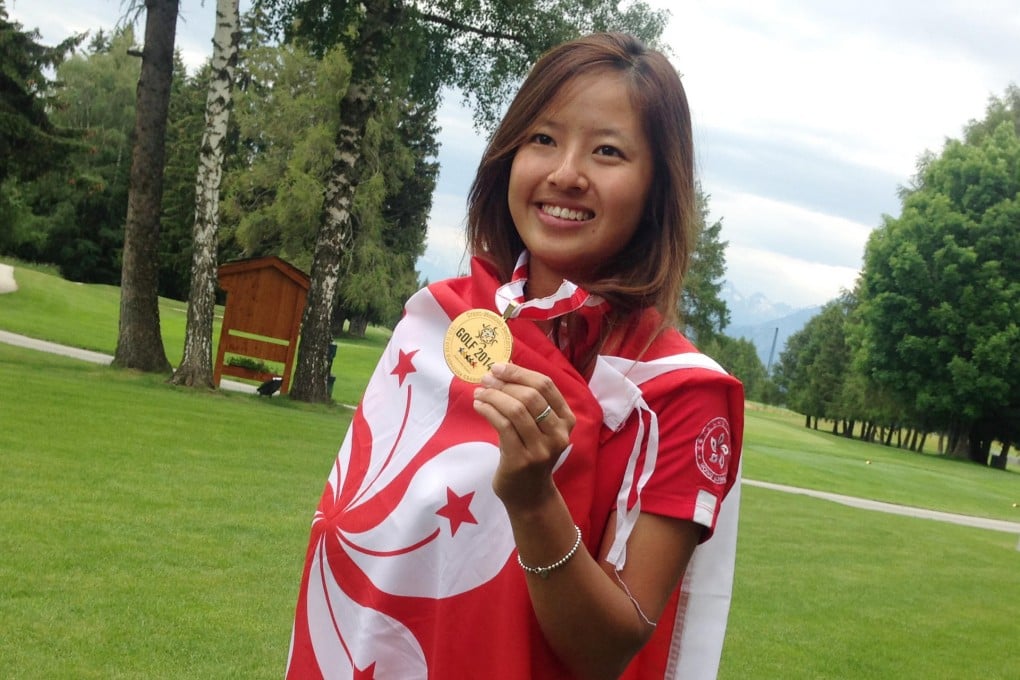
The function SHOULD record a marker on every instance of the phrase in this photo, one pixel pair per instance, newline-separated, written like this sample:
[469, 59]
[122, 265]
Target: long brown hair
[649, 270]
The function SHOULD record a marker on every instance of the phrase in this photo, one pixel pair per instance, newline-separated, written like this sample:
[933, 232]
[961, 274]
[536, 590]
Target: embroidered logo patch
[712, 450]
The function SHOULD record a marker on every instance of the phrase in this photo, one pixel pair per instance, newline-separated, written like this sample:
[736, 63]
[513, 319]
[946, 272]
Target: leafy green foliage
[482, 48]
[29, 140]
[185, 123]
[78, 207]
[703, 313]
[382, 272]
[287, 117]
[940, 297]
[740, 358]
[73, 214]
[813, 367]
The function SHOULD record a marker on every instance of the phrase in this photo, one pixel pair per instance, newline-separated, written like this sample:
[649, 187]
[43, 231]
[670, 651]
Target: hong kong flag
[410, 570]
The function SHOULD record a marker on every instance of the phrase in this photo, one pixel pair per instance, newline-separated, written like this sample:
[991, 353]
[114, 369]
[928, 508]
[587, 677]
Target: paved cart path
[94, 357]
[892, 508]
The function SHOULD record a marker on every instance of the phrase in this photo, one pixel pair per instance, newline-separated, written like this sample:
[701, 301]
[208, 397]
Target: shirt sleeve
[700, 423]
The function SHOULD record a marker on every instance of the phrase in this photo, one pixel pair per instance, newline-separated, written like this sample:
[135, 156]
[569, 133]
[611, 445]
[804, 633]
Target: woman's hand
[534, 423]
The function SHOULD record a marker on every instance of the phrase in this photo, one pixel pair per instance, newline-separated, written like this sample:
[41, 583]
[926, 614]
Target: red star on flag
[404, 365]
[366, 674]
[456, 509]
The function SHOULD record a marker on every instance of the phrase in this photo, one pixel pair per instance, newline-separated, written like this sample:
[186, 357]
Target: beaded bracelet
[543, 572]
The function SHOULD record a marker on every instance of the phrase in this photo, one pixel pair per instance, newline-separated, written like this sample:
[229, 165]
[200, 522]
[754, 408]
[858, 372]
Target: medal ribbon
[569, 297]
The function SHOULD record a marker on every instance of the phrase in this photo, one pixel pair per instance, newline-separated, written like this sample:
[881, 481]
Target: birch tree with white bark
[196, 368]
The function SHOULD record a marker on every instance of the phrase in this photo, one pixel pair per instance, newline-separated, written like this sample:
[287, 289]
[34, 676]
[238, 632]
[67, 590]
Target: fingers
[526, 408]
[535, 390]
[512, 410]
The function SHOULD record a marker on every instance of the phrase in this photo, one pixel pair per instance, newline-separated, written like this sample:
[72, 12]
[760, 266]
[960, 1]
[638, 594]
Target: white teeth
[566, 214]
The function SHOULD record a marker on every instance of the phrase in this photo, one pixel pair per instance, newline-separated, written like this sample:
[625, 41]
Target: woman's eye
[606, 150]
[539, 138]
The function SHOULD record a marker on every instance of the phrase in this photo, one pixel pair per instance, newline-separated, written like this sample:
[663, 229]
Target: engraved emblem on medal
[477, 339]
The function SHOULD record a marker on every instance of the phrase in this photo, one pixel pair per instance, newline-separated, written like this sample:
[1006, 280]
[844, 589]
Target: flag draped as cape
[410, 571]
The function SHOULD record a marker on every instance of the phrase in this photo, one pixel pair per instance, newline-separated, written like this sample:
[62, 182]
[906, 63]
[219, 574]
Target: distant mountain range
[763, 322]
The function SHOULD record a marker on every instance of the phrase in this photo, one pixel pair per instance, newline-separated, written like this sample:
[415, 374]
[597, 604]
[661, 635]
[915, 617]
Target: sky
[808, 117]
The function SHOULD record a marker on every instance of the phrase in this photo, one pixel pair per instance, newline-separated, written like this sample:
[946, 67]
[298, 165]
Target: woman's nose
[569, 173]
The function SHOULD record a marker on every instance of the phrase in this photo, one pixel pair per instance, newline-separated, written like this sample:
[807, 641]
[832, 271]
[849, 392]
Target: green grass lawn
[149, 531]
[86, 315]
[780, 449]
[146, 530]
[827, 591]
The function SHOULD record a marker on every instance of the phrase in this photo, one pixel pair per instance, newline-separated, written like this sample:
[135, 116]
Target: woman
[539, 452]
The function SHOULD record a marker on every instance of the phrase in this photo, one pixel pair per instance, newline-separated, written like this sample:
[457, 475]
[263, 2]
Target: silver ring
[544, 414]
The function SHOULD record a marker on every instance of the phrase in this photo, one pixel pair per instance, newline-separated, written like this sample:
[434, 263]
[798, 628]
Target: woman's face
[579, 182]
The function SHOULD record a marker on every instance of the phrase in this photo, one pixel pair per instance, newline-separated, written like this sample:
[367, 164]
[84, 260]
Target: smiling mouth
[566, 213]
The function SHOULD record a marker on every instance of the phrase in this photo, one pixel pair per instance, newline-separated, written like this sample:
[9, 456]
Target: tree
[185, 127]
[335, 233]
[1005, 109]
[480, 47]
[79, 206]
[382, 275]
[790, 373]
[29, 141]
[940, 295]
[139, 342]
[195, 368]
[287, 117]
[740, 358]
[703, 312]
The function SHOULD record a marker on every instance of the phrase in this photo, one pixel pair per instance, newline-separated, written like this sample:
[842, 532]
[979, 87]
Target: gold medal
[475, 341]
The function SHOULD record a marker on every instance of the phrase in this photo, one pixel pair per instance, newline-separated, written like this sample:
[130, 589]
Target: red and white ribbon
[512, 303]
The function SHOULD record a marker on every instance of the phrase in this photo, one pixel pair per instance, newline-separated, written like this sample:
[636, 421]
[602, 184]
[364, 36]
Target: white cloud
[782, 68]
[797, 282]
[445, 247]
[761, 223]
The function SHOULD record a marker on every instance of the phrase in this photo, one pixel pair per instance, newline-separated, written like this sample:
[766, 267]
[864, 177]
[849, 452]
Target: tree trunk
[339, 320]
[999, 462]
[920, 446]
[358, 325]
[196, 369]
[980, 443]
[807, 421]
[336, 229]
[139, 342]
[959, 441]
